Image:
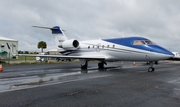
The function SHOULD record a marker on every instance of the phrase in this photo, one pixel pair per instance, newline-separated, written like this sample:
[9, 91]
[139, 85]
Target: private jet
[107, 50]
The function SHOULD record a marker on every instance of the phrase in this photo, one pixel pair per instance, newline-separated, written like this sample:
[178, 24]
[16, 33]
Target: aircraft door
[147, 58]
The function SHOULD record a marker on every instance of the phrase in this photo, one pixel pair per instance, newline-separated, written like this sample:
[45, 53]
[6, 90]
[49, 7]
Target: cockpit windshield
[143, 42]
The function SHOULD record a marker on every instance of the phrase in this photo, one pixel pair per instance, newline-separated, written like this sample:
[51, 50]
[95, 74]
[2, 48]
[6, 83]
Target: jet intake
[70, 44]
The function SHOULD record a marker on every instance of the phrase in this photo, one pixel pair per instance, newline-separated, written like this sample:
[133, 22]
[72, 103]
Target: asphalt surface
[65, 85]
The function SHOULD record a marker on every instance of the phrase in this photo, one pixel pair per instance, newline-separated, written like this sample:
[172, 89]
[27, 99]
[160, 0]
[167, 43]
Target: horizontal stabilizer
[45, 27]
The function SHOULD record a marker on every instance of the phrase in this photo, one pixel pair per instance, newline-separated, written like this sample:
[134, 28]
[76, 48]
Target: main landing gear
[84, 65]
[151, 68]
[101, 64]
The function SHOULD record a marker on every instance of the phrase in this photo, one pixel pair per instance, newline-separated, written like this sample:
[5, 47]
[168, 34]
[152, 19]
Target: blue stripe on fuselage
[128, 41]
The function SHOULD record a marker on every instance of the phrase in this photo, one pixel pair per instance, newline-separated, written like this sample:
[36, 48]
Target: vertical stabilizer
[58, 35]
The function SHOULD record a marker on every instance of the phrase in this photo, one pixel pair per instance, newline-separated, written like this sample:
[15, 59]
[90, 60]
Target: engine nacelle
[70, 44]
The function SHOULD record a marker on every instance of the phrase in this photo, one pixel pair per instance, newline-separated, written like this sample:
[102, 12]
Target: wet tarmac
[67, 85]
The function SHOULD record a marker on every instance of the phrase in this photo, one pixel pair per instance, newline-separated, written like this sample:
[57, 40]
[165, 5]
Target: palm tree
[42, 45]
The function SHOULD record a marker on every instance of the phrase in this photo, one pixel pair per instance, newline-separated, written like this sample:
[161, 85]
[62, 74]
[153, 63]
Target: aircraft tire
[100, 65]
[151, 69]
[83, 66]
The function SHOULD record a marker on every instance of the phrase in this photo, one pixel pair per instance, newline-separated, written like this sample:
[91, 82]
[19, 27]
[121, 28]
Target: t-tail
[58, 34]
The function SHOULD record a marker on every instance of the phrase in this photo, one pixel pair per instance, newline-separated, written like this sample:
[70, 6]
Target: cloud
[157, 20]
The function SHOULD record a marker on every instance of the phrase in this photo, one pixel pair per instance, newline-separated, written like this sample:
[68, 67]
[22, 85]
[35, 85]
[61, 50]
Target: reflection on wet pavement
[25, 79]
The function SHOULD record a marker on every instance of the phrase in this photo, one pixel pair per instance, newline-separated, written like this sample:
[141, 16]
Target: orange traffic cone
[1, 69]
[48, 62]
[134, 63]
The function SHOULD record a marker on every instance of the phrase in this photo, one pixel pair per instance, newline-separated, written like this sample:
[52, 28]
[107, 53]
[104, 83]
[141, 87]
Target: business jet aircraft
[104, 50]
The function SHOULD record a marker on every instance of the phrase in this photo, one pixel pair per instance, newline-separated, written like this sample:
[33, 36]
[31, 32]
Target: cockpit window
[139, 42]
[149, 42]
[143, 42]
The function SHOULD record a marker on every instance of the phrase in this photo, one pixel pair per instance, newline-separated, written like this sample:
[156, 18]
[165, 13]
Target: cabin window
[88, 47]
[103, 46]
[107, 46]
[113, 46]
[93, 46]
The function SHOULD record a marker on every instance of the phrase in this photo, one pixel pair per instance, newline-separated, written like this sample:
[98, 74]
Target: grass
[20, 58]
[25, 58]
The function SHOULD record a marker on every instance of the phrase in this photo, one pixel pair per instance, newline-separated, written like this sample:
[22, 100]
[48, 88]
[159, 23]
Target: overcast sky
[158, 20]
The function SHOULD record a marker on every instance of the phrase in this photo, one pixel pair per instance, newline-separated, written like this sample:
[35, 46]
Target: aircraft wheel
[101, 65]
[83, 66]
[151, 69]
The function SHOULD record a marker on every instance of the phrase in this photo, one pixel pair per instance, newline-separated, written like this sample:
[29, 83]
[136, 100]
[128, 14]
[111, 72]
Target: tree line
[41, 45]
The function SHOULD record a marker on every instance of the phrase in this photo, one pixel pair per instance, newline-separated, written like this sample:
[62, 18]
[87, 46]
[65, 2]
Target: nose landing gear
[151, 68]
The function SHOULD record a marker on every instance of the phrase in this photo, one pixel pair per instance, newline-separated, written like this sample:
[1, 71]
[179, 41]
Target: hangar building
[4, 50]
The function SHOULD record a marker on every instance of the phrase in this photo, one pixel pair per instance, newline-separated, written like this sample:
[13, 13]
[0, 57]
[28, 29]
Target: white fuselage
[116, 52]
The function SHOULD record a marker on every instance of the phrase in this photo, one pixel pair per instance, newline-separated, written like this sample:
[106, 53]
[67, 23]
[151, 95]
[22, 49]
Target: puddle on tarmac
[41, 77]
[13, 80]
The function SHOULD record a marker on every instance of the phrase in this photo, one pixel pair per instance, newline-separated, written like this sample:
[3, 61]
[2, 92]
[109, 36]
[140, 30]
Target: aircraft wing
[65, 57]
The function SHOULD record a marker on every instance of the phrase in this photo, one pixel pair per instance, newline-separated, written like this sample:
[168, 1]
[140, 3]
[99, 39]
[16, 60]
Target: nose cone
[161, 50]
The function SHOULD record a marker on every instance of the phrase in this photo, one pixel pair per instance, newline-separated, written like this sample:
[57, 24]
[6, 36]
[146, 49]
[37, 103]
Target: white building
[53, 52]
[4, 49]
